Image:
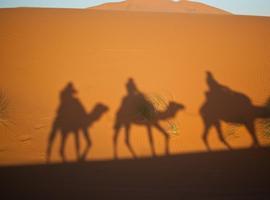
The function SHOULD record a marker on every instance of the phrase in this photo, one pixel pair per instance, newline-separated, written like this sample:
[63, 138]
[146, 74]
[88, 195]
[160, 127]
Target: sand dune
[161, 6]
[166, 54]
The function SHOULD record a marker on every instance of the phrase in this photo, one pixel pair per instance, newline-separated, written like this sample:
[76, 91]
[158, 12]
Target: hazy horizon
[239, 7]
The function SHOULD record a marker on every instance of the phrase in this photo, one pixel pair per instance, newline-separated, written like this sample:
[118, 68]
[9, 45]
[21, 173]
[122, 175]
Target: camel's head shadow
[96, 113]
[100, 108]
[172, 105]
[172, 109]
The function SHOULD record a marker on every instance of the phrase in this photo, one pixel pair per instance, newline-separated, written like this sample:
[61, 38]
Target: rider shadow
[72, 117]
[137, 109]
[227, 105]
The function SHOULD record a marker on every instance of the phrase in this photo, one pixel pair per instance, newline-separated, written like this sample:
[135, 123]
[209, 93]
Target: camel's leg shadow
[220, 135]
[77, 144]
[205, 135]
[207, 127]
[115, 140]
[151, 140]
[127, 141]
[167, 137]
[51, 140]
[62, 146]
[88, 144]
[251, 129]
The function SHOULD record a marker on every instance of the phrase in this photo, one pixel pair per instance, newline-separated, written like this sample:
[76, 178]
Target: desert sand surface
[167, 56]
[182, 6]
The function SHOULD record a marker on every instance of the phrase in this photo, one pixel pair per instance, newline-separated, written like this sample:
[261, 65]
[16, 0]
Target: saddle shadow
[136, 109]
[72, 117]
[224, 104]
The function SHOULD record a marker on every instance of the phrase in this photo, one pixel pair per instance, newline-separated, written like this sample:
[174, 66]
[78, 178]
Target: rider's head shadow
[72, 117]
[131, 87]
[68, 92]
[211, 82]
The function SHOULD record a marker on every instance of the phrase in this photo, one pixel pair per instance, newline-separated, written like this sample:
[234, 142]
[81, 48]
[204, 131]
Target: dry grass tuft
[4, 104]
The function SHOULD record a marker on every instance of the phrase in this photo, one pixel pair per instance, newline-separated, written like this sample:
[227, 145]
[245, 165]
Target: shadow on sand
[71, 117]
[237, 174]
[137, 109]
[227, 105]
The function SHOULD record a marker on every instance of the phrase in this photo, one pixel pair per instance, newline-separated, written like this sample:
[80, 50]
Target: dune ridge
[161, 6]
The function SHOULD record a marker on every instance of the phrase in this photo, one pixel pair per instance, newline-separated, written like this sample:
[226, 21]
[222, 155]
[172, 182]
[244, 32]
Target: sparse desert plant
[4, 104]
[266, 122]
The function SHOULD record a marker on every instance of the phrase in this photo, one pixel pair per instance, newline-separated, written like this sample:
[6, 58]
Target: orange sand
[166, 54]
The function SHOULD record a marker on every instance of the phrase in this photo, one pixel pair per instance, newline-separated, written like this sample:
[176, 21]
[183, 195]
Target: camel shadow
[72, 117]
[137, 109]
[227, 105]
